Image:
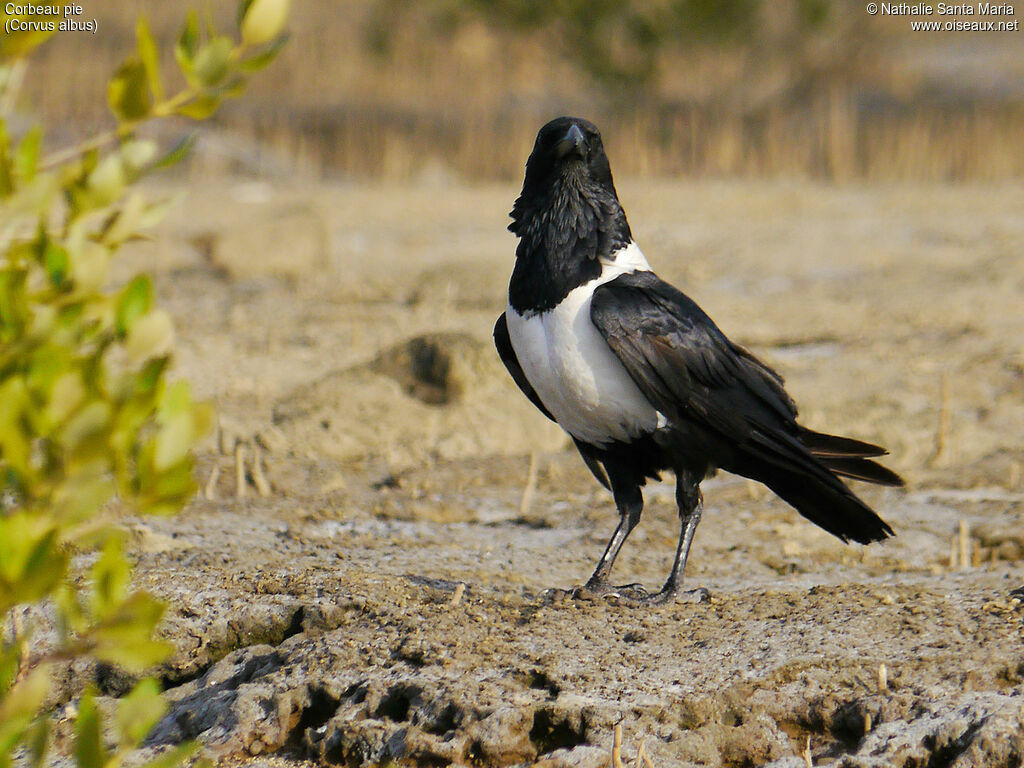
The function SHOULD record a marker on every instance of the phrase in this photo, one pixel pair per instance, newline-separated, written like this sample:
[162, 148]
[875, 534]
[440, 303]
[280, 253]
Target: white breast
[574, 372]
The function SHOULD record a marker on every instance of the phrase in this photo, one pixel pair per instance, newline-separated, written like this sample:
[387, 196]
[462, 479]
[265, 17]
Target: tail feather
[835, 446]
[862, 469]
[805, 472]
[832, 506]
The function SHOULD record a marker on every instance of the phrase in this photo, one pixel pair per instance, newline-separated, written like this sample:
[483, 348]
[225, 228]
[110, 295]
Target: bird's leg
[630, 503]
[691, 504]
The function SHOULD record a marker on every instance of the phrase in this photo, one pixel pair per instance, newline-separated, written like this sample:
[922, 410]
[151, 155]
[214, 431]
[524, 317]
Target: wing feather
[718, 395]
[684, 364]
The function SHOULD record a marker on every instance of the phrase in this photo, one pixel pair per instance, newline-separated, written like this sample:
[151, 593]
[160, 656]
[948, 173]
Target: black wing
[732, 407]
[508, 356]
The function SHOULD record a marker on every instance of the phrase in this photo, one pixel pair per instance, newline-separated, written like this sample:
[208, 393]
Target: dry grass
[470, 104]
[831, 138]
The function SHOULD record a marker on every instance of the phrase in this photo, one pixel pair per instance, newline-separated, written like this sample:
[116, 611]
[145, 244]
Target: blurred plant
[620, 42]
[87, 413]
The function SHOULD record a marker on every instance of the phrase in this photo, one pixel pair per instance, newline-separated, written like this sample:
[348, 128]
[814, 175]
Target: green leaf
[177, 152]
[188, 43]
[88, 423]
[66, 395]
[81, 498]
[173, 441]
[150, 375]
[177, 400]
[150, 58]
[31, 563]
[45, 364]
[202, 418]
[200, 108]
[263, 20]
[150, 336]
[106, 181]
[55, 262]
[110, 575]
[21, 705]
[37, 741]
[231, 88]
[6, 166]
[89, 750]
[90, 267]
[18, 43]
[265, 57]
[176, 757]
[211, 62]
[139, 711]
[137, 154]
[26, 158]
[10, 662]
[155, 213]
[26, 697]
[175, 485]
[134, 301]
[15, 442]
[124, 222]
[125, 638]
[243, 8]
[43, 321]
[128, 92]
[14, 310]
[132, 417]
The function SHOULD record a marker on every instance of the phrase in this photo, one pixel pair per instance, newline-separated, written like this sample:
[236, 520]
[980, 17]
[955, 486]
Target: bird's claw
[627, 593]
[630, 592]
[668, 596]
[698, 595]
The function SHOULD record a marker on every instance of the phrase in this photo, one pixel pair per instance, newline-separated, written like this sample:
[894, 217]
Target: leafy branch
[214, 69]
[87, 413]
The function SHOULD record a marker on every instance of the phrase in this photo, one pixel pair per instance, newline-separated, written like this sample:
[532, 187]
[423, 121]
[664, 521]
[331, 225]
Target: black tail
[821, 444]
[863, 469]
[803, 470]
[849, 458]
[831, 505]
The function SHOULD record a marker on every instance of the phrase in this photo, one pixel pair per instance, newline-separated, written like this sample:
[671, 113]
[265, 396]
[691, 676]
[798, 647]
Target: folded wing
[729, 407]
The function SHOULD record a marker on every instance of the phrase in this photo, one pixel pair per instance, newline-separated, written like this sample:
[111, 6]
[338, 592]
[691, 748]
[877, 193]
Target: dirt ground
[384, 598]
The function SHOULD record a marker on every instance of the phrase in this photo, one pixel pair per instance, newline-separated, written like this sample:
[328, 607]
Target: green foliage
[87, 414]
[262, 20]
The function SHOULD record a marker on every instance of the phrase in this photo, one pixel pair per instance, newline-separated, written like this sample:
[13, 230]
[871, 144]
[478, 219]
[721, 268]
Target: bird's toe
[631, 592]
[634, 594]
[670, 596]
[558, 595]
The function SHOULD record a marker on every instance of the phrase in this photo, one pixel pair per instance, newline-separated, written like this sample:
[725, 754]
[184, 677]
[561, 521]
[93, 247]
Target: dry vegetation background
[399, 89]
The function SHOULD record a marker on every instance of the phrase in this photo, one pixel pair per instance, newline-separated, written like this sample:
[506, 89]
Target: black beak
[572, 143]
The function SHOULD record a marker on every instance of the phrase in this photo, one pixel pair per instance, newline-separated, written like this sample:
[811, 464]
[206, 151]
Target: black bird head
[568, 215]
[568, 149]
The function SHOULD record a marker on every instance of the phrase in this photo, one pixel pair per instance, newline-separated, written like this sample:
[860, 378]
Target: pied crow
[641, 378]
